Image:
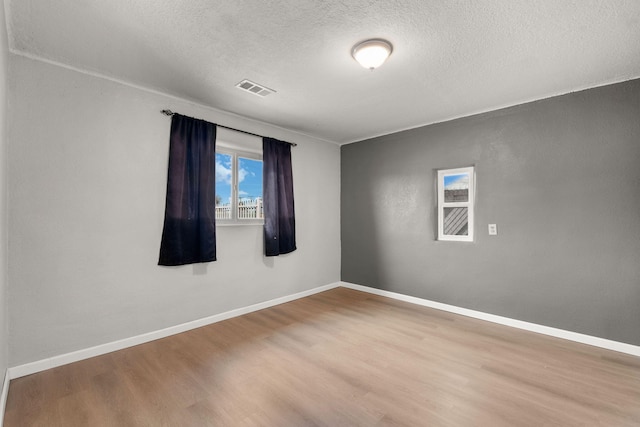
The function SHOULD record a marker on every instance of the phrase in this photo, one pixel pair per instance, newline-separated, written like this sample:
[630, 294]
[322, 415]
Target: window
[238, 187]
[455, 204]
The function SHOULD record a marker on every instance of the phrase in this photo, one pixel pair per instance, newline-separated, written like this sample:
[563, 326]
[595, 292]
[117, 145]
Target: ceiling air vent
[254, 88]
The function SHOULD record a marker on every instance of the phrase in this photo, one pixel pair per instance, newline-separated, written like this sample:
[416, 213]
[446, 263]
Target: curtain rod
[171, 113]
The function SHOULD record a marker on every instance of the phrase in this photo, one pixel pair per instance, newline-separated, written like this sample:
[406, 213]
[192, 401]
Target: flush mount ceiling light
[372, 53]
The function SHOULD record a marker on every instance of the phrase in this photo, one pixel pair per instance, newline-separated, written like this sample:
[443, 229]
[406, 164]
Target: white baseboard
[41, 365]
[3, 397]
[63, 359]
[533, 327]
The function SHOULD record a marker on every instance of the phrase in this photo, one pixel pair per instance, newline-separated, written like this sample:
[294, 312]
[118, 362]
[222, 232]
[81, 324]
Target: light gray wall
[88, 164]
[4, 306]
[560, 178]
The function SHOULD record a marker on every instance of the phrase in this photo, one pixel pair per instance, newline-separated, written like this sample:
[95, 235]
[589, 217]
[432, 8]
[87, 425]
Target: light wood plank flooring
[339, 358]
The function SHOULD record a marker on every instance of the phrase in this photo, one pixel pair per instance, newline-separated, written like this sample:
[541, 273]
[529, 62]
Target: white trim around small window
[238, 187]
[456, 197]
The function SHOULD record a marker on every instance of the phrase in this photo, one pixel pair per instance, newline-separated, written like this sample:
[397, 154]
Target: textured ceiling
[450, 59]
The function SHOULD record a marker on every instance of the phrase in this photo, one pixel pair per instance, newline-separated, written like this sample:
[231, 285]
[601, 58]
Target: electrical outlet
[493, 230]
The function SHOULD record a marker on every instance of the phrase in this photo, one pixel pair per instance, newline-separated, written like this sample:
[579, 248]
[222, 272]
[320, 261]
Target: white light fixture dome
[372, 53]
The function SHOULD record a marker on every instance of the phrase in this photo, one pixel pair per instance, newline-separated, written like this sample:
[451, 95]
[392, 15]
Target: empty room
[305, 213]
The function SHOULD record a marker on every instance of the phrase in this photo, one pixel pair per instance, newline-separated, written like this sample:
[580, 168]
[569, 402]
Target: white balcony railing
[247, 209]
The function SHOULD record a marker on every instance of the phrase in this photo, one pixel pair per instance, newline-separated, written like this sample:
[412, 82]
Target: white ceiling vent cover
[254, 88]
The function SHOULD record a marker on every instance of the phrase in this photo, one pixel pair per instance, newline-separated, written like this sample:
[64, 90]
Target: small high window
[455, 204]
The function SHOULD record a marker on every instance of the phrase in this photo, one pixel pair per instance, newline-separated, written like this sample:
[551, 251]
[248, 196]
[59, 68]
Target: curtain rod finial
[167, 112]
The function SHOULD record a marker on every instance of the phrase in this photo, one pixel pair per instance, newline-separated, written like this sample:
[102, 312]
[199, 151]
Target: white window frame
[468, 204]
[235, 155]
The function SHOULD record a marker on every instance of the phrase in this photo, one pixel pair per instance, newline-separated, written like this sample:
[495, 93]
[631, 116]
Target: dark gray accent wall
[4, 304]
[561, 179]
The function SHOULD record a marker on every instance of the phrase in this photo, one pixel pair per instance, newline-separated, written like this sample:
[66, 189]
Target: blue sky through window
[249, 178]
[460, 181]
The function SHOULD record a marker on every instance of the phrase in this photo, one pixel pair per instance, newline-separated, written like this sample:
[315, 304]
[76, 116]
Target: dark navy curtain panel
[189, 234]
[279, 217]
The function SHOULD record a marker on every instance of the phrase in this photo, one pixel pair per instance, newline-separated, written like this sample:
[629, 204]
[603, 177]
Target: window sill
[239, 224]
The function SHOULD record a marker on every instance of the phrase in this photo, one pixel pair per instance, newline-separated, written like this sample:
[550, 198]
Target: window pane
[456, 188]
[456, 222]
[249, 189]
[223, 185]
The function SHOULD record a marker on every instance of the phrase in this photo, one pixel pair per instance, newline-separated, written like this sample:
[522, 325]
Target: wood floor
[339, 358]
